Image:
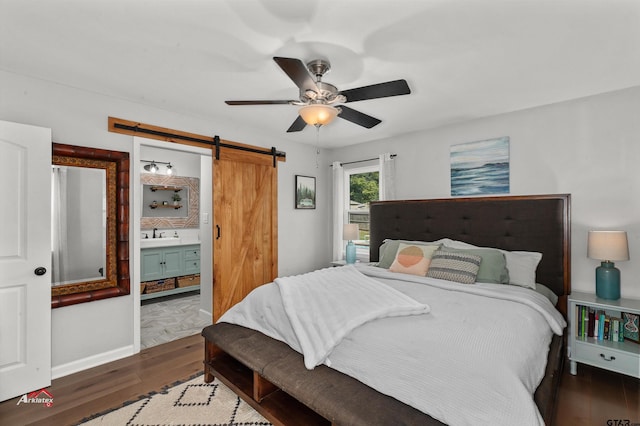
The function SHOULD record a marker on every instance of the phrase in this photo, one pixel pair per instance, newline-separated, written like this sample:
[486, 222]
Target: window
[361, 187]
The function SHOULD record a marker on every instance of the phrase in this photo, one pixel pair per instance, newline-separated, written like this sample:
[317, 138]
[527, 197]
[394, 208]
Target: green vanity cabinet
[192, 260]
[159, 263]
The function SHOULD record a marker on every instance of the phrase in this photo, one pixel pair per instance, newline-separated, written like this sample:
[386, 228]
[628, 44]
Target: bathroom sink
[159, 242]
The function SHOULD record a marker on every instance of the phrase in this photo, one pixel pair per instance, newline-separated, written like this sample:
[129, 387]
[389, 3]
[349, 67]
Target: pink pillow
[413, 259]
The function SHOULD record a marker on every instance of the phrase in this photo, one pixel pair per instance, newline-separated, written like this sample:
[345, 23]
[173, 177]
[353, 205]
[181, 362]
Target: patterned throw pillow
[522, 265]
[413, 259]
[493, 267]
[454, 266]
[389, 250]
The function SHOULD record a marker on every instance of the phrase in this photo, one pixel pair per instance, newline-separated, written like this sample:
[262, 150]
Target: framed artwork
[480, 168]
[305, 192]
[631, 323]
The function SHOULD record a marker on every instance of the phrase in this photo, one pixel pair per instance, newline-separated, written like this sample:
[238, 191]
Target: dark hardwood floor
[98, 389]
[596, 397]
[591, 398]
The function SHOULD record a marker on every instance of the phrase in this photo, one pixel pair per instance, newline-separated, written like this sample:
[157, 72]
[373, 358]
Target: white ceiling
[463, 59]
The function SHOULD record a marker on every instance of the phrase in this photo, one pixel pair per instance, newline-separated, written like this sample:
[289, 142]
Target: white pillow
[458, 244]
[522, 265]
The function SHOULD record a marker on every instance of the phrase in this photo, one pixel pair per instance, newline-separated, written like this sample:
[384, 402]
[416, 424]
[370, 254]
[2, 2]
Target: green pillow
[493, 267]
[389, 249]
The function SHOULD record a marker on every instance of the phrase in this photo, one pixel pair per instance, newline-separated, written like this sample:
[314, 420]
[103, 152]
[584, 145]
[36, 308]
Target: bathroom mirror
[169, 202]
[90, 224]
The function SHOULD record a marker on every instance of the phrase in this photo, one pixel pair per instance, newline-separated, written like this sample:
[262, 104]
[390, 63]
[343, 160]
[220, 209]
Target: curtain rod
[362, 161]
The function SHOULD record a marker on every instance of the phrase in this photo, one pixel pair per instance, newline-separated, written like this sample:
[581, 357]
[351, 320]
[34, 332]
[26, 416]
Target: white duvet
[464, 354]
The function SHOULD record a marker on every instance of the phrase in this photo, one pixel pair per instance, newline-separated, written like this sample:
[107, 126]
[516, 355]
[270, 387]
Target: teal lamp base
[608, 281]
[351, 253]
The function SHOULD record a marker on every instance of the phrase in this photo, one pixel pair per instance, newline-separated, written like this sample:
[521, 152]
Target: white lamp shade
[350, 231]
[318, 114]
[608, 245]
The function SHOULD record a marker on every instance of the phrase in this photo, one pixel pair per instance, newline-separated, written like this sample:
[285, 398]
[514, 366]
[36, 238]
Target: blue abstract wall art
[480, 168]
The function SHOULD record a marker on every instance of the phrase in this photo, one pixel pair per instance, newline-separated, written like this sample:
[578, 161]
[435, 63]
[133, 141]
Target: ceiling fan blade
[380, 90]
[258, 102]
[297, 125]
[297, 71]
[358, 117]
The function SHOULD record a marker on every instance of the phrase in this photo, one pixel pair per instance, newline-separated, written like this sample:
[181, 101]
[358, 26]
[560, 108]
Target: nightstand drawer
[604, 357]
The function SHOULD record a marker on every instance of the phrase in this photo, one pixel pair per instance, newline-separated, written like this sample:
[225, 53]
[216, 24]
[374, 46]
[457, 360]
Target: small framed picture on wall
[305, 192]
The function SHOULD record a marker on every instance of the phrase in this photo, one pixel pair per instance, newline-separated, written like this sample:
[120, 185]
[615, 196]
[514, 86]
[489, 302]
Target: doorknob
[40, 271]
[218, 229]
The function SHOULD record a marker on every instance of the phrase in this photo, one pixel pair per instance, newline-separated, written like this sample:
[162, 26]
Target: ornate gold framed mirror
[90, 224]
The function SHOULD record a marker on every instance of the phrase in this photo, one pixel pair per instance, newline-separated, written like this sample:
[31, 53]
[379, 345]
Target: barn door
[245, 253]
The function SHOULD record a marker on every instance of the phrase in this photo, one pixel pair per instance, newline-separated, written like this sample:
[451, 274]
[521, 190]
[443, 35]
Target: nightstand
[622, 357]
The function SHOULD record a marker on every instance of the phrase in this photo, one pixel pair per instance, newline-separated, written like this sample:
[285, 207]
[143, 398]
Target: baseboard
[205, 315]
[90, 362]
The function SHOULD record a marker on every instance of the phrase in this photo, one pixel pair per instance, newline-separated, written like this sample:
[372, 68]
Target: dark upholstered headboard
[540, 223]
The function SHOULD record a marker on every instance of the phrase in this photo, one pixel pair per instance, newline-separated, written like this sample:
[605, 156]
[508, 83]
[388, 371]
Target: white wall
[92, 333]
[589, 148]
[206, 229]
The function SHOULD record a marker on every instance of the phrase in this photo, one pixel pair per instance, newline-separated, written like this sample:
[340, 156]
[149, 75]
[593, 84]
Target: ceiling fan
[318, 98]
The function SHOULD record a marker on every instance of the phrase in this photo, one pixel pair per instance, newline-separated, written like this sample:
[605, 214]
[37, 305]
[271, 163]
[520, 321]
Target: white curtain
[338, 209]
[59, 225]
[387, 185]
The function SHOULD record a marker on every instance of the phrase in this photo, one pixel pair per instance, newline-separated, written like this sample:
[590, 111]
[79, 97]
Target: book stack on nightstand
[595, 339]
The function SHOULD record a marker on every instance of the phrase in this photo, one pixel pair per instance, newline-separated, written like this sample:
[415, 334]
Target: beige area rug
[189, 404]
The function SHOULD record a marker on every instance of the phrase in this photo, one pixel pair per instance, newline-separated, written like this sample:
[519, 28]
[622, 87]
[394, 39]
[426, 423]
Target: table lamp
[608, 246]
[350, 232]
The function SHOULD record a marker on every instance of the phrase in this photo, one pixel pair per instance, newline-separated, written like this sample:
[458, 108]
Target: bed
[291, 387]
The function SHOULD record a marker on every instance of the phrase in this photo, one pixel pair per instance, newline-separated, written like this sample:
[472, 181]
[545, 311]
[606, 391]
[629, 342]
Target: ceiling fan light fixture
[318, 114]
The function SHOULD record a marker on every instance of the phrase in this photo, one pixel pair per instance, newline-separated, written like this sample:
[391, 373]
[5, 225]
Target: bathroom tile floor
[166, 319]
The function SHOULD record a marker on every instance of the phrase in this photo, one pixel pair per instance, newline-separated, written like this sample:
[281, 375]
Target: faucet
[154, 232]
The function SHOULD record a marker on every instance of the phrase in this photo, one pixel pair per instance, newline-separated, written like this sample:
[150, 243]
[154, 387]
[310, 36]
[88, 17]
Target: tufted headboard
[540, 223]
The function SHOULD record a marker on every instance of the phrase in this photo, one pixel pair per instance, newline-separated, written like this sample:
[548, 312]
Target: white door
[25, 258]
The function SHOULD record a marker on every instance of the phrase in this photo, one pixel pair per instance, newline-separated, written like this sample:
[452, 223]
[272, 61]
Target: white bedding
[475, 358]
[326, 305]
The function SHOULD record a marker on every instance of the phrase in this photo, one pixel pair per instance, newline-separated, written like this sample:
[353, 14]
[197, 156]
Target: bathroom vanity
[168, 266]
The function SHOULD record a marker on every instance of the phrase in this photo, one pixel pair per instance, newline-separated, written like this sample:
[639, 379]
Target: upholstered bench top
[339, 398]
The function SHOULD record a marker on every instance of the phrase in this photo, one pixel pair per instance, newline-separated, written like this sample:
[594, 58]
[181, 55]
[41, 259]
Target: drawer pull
[607, 359]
